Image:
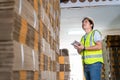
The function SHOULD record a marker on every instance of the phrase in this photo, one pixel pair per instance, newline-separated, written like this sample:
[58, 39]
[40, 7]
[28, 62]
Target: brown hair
[90, 21]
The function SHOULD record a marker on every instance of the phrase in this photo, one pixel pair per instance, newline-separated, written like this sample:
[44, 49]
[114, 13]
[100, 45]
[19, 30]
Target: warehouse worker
[91, 50]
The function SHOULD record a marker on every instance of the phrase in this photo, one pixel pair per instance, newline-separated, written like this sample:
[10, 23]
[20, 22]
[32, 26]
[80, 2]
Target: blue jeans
[93, 71]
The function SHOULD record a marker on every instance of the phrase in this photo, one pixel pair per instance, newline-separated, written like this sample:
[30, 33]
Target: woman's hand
[79, 47]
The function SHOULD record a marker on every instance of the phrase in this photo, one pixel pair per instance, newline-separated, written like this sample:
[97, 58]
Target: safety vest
[90, 56]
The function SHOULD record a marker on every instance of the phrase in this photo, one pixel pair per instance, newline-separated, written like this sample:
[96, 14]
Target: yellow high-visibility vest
[90, 56]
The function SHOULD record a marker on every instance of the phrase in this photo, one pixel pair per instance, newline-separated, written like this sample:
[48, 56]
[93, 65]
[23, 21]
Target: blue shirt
[97, 36]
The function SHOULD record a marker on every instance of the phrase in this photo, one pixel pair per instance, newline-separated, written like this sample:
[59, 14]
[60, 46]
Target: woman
[91, 50]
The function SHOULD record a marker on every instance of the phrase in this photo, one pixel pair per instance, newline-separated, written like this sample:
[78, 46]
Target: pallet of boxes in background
[29, 39]
[111, 54]
[64, 71]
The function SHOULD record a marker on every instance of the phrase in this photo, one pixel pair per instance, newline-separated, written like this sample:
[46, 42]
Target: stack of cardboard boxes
[29, 39]
[64, 62]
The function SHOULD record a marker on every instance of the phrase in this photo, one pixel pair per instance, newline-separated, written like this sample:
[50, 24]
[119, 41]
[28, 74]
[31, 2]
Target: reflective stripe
[93, 56]
[91, 40]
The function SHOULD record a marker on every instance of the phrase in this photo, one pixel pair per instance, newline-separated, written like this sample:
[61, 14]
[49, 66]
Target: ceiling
[106, 19]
